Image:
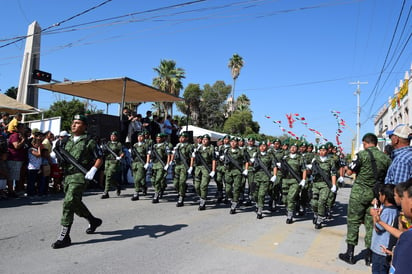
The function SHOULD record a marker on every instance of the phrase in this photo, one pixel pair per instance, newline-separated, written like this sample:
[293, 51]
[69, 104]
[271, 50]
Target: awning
[116, 90]
[12, 106]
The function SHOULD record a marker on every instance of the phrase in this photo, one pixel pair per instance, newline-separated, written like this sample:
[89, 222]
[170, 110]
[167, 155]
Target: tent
[12, 106]
[214, 136]
[114, 90]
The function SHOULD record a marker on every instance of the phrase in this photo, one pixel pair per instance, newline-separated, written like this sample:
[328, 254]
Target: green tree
[169, 80]
[240, 123]
[235, 65]
[243, 103]
[213, 105]
[66, 110]
[11, 92]
[191, 105]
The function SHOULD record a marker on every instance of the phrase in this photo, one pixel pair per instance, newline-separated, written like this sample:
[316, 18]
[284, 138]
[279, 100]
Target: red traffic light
[41, 75]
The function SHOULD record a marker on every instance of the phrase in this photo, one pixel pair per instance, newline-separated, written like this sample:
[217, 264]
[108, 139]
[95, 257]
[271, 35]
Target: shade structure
[115, 90]
[12, 106]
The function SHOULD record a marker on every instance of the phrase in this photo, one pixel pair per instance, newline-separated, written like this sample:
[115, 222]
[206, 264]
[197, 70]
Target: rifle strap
[373, 162]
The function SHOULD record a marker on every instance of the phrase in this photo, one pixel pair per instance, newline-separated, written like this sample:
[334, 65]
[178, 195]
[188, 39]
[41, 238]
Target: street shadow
[153, 231]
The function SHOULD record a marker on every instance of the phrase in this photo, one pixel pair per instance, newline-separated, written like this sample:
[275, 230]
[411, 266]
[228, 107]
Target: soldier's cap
[322, 147]
[184, 134]
[261, 143]
[294, 144]
[145, 132]
[303, 144]
[402, 131]
[234, 138]
[141, 133]
[286, 142]
[227, 136]
[159, 135]
[310, 145]
[277, 140]
[80, 117]
[251, 138]
[114, 133]
[329, 144]
[207, 136]
[200, 137]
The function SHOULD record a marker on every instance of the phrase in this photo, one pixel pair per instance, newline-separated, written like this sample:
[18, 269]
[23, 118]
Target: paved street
[141, 237]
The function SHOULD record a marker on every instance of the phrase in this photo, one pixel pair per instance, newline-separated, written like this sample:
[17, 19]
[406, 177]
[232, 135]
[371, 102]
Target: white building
[396, 110]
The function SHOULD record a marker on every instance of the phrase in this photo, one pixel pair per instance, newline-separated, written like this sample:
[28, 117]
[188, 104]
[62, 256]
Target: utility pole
[358, 111]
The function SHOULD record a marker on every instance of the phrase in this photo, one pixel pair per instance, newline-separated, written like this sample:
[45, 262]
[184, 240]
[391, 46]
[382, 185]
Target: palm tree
[235, 65]
[242, 103]
[169, 80]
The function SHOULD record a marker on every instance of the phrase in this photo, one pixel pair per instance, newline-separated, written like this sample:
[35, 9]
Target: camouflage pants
[290, 191]
[262, 187]
[358, 213]
[158, 178]
[321, 193]
[139, 175]
[74, 186]
[233, 184]
[179, 179]
[112, 173]
[202, 179]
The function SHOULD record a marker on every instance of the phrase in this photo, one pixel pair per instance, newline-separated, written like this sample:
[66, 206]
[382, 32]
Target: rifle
[229, 159]
[64, 156]
[202, 160]
[136, 154]
[182, 157]
[289, 169]
[106, 147]
[263, 167]
[156, 154]
[318, 170]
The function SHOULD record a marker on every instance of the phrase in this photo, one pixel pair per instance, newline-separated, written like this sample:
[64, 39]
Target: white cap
[63, 133]
[402, 131]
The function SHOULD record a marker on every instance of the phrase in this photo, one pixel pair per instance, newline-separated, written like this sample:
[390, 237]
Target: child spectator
[34, 164]
[380, 236]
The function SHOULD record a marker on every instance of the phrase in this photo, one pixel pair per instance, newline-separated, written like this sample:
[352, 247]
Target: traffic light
[41, 75]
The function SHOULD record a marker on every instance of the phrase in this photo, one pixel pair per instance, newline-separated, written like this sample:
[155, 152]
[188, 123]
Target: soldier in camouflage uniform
[112, 169]
[275, 188]
[234, 169]
[323, 172]
[249, 151]
[160, 162]
[139, 158]
[290, 184]
[264, 168]
[203, 173]
[183, 166]
[86, 152]
[362, 194]
[220, 169]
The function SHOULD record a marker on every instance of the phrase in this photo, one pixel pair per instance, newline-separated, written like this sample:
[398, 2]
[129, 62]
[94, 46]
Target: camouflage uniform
[139, 154]
[112, 167]
[181, 156]
[249, 151]
[220, 168]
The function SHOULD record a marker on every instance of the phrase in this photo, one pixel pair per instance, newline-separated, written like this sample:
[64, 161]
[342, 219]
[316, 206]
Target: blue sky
[300, 56]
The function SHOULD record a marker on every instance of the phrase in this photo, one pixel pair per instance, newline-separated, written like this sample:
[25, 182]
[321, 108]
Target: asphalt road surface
[141, 237]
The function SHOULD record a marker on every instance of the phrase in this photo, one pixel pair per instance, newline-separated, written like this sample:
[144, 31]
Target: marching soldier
[87, 154]
[139, 156]
[220, 169]
[113, 154]
[324, 184]
[264, 168]
[234, 169]
[204, 159]
[275, 189]
[183, 167]
[159, 155]
[249, 151]
[294, 178]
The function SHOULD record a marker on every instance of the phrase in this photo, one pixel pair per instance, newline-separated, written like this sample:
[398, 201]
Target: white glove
[333, 188]
[194, 154]
[252, 160]
[90, 174]
[212, 174]
[278, 164]
[146, 165]
[340, 179]
[302, 183]
[221, 158]
[189, 171]
[309, 166]
[118, 158]
[273, 179]
[166, 167]
[245, 172]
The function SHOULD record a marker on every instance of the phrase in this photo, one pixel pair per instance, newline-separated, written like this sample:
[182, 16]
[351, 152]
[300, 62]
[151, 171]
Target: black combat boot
[105, 195]
[289, 219]
[368, 257]
[202, 204]
[64, 238]
[94, 223]
[180, 202]
[259, 214]
[349, 255]
[155, 198]
[135, 196]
